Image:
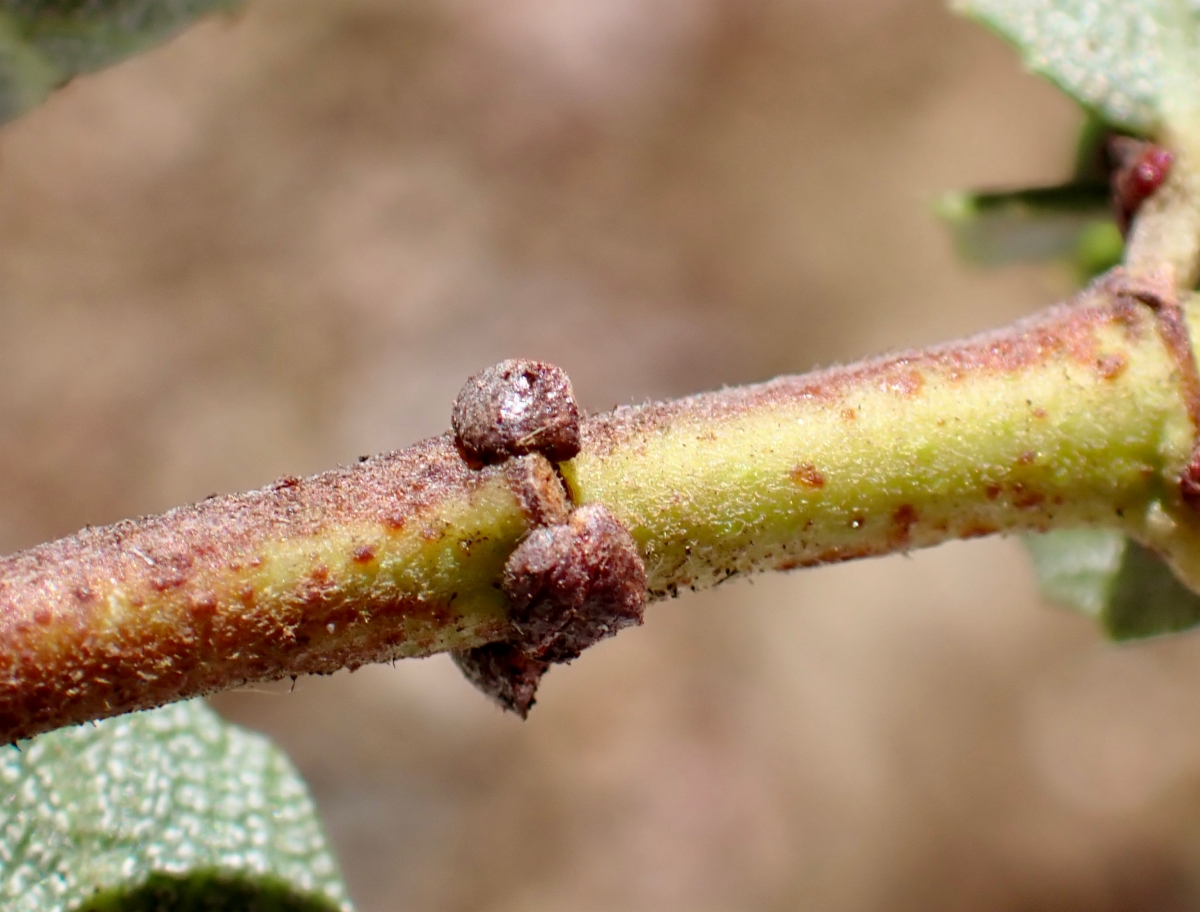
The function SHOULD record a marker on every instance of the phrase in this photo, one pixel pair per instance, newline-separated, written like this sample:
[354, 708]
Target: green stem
[1166, 232]
[1083, 416]
[1079, 417]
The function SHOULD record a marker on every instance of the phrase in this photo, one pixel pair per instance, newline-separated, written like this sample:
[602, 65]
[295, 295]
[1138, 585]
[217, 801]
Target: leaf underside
[1103, 574]
[168, 810]
[1130, 62]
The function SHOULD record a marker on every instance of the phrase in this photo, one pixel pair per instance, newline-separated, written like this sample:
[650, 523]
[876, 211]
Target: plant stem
[1167, 229]
[1078, 417]
[1083, 416]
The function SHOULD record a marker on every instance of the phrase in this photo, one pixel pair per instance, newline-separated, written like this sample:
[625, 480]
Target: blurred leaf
[1134, 62]
[1098, 248]
[26, 77]
[1126, 587]
[168, 810]
[44, 43]
[1091, 156]
[1070, 222]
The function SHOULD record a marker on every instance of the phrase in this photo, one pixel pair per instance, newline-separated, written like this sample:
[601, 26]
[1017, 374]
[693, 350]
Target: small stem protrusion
[570, 585]
[1138, 169]
[517, 407]
[576, 578]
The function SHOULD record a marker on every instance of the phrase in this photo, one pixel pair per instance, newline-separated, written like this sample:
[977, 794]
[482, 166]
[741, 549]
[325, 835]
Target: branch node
[1156, 289]
[578, 577]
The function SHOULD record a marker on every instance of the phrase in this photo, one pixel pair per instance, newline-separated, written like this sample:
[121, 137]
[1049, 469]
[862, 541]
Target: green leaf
[1134, 62]
[172, 809]
[1126, 587]
[26, 77]
[1070, 222]
[44, 43]
[1091, 154]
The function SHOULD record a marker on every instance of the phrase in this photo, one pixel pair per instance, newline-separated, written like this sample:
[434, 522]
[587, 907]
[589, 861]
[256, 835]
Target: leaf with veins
[1132, 61]
[156, 810]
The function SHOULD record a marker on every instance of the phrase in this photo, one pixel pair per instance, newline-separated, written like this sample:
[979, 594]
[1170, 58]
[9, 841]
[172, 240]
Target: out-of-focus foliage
[1131, 61]
[1100, 572]
[1071, 222]
[172, 809]
[44, 43]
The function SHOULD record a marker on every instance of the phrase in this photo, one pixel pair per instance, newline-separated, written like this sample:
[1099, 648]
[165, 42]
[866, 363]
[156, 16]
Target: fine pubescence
[1083, 416]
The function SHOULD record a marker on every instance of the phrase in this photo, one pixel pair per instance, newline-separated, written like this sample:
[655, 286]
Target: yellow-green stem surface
[1077, 419]
[1083, 416]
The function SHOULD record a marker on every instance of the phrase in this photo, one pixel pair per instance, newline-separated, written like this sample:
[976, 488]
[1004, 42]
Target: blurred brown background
[284, 240]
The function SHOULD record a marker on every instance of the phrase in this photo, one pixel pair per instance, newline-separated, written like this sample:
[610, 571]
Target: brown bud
[575, 584]
[504, 673]
[517, 407]
[571, 585]
[1138, 169]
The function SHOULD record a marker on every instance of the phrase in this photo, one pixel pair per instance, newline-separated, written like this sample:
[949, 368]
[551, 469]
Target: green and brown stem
[1166, 233]
[1083, 416]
